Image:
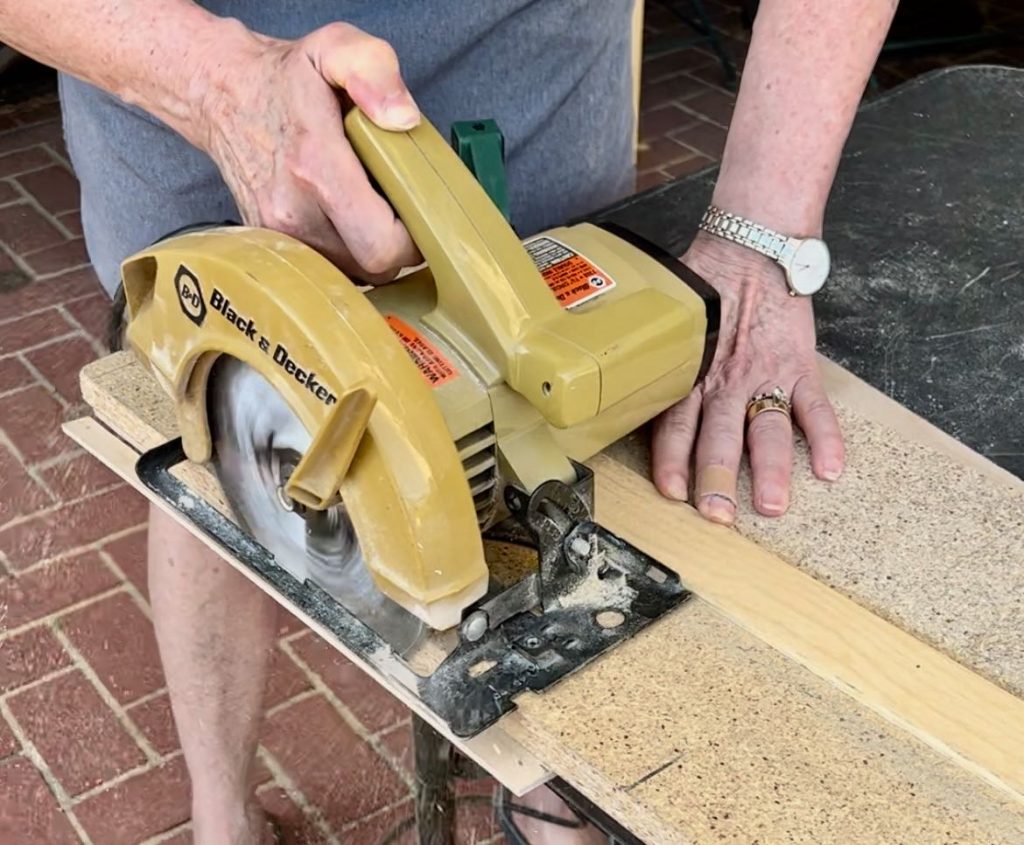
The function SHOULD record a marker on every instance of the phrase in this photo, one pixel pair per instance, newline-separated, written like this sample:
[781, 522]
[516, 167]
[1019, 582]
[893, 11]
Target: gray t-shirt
[555, 74]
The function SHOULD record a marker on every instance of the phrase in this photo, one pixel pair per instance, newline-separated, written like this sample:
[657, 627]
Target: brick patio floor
[88, 751]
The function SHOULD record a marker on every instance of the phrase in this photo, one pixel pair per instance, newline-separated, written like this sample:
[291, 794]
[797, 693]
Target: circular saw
[367, 439]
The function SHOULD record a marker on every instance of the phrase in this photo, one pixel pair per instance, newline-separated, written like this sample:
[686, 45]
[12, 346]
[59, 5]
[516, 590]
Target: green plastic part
[481, 146]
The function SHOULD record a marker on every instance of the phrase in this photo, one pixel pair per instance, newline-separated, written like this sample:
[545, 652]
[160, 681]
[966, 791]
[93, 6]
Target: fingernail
[718, 509]
[401, 113]
[675, 488]
[831, 472]
[773, 502]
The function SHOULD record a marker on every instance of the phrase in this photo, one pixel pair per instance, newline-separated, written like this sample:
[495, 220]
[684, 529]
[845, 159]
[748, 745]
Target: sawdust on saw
[601, 593]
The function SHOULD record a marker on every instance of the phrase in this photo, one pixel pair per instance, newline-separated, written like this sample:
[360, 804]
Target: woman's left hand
[766, 341]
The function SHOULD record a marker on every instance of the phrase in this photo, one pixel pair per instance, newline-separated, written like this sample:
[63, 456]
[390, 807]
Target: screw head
[475, 626]
[580, 546]
[285, 500]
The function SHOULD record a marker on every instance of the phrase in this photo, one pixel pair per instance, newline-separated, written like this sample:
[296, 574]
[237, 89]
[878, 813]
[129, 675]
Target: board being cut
[698, 730]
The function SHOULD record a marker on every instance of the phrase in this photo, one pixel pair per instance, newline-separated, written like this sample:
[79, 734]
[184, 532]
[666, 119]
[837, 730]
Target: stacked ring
[762, 403]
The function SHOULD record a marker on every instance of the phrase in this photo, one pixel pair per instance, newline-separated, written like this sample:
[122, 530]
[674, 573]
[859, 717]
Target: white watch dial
[809, 266]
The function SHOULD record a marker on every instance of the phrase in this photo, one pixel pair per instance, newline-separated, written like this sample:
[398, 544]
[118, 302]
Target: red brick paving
[54, 188]
[60, 362]
[335, 758]
[286, 680]
[152, 716]
[92, 313]
[72, 221]
[78, 476]
[375, 828]
[8, 193]
[24, 332]
[65, 288]
[30, 656]
[375, 708]
[8, 742]
[33, 158]
[128, 554]
[78, 736]
[341, 774]
[24, 229]
[19, 492]
[13, 374]
[57, 259]
[29, 813]
[295, 824]
[54, 586]
[58, 532]
[139, 807]
[116, 639]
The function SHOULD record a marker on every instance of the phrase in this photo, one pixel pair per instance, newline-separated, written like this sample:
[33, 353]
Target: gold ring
[762, 403]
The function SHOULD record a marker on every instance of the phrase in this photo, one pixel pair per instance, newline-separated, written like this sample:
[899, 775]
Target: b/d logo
[190, 295]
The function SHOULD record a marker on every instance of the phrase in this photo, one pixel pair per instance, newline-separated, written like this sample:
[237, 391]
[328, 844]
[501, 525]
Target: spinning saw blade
[258, 441]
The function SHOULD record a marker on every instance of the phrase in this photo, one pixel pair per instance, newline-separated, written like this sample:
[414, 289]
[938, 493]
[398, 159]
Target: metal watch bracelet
[745, 232]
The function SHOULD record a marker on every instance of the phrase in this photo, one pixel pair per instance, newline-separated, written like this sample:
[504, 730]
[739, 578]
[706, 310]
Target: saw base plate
[593, 590]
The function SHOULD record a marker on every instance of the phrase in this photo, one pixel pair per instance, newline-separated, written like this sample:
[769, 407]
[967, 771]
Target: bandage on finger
[716, 481]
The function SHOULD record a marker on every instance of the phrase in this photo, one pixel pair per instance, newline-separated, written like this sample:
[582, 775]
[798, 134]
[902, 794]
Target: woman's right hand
[270, 116]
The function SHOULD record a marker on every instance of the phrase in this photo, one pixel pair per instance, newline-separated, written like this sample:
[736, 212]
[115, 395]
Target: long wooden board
[635, 730]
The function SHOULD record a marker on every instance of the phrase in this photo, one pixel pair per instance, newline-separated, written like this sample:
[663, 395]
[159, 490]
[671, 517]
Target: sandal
[505, 807]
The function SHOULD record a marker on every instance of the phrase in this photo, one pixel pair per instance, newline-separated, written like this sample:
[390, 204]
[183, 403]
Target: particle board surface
[697, 731]
[915, 686]
[921, 530]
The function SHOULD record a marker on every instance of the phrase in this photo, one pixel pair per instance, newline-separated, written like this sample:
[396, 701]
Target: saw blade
[258, 441]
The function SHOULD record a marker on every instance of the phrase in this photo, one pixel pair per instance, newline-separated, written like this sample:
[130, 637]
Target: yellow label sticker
[572, 278]
[436, 369]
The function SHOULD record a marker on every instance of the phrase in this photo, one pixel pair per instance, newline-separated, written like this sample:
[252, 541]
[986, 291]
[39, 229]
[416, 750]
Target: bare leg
[545, 833]
[215, 630]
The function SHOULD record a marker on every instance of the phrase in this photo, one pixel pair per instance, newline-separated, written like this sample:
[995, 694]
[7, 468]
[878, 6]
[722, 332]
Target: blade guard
[379, 438]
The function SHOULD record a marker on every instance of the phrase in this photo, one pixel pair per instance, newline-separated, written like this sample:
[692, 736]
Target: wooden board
[657, 730]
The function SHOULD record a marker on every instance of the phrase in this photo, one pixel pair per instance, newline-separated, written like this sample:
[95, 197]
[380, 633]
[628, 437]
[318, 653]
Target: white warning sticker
[572, 278]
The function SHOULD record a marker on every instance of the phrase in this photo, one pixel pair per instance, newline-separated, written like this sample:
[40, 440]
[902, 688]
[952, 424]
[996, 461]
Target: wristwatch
[805, 261]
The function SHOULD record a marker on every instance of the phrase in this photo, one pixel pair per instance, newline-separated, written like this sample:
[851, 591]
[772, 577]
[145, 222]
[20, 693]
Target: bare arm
[155, 55]
[808, 64]
[807, 67]
[263, 108]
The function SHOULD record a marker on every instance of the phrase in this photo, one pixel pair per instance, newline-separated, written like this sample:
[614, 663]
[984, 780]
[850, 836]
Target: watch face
[809, 267]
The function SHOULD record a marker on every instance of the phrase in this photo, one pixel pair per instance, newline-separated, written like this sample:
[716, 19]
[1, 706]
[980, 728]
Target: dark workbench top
[925, 224]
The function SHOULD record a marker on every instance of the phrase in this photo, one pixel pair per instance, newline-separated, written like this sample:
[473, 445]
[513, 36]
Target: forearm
[806, 70]
[161, 55]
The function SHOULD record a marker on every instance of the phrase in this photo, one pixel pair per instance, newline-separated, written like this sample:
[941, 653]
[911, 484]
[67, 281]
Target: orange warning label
[436, 369]
[572, 278]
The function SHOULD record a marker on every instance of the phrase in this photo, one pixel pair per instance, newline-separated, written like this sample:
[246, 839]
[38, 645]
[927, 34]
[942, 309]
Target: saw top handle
[490, 292]
[487, 285]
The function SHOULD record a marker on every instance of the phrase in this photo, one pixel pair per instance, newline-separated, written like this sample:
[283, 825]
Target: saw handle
[476, 258]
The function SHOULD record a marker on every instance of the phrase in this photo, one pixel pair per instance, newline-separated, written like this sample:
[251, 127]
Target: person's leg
[215, 630]
[539, 832]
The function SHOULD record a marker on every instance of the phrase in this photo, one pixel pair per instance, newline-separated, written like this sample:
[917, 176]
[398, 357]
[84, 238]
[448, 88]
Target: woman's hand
[271, 119]
[766, 341]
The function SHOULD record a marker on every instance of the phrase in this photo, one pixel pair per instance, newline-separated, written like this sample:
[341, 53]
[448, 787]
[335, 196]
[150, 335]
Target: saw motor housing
[497, 363]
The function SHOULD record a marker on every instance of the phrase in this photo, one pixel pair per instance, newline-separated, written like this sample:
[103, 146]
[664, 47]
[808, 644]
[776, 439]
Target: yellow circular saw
[366, 439]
